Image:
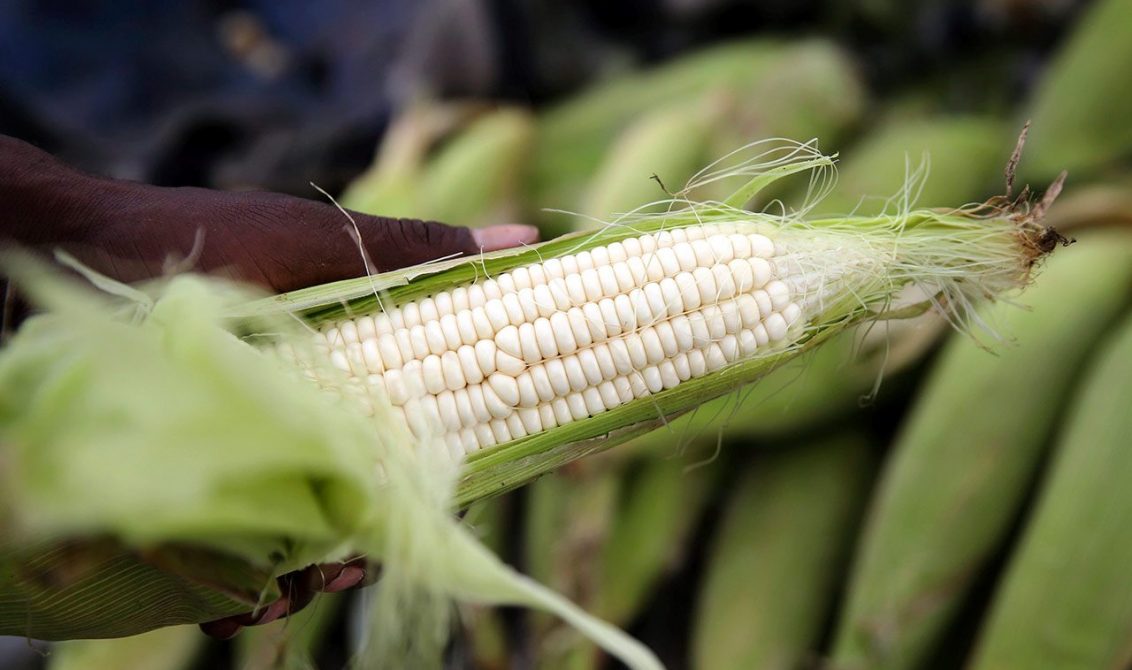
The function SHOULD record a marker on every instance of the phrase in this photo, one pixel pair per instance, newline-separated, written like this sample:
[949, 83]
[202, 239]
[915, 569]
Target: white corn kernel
[505, 387]
[552, 342]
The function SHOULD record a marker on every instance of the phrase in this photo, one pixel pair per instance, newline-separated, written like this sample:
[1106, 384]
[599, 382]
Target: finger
[504, 236]
[398, 243]
[335, 577]
[297, 594]
[268, 613]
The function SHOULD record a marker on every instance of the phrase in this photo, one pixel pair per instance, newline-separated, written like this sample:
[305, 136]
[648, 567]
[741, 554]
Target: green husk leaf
[97, 588]
[661, 506]
[391, 185]
[250, 460]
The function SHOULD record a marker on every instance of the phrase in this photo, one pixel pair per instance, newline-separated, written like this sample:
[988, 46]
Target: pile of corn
[786, 524]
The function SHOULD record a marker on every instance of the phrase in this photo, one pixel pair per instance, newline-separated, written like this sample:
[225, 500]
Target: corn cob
[605, 536]
[1066, 600]
[292, 480]
[391, 185]
[635, 313]
[539, 346]
[471, 180]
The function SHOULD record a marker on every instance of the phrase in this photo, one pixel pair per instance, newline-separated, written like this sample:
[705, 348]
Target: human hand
[131, 232]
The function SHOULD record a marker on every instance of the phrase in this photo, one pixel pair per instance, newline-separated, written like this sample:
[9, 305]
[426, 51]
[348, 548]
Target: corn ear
[389, 187]
[482, 626]
[569, 518]
[921, 237]
[771, 87]
[967, 455]
[474, 178]
[1081, 107]
[814, 91]
[292, 436]
[965, 155]
[670, 142]
[622, 527]
[471, 180]
[1066, 600]
[773, 566]
[931, 162]
[663, 502]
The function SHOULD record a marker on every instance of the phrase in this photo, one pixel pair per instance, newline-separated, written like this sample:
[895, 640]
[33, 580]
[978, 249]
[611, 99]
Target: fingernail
[350, 577]
[504, 236]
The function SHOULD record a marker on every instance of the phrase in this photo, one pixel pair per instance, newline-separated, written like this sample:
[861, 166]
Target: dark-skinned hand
[131, 232]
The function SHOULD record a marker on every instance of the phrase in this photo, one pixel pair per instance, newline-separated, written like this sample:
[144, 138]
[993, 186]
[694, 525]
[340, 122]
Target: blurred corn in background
[906, 497]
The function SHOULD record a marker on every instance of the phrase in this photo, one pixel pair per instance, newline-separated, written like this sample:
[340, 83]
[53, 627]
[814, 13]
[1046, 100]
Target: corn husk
[607, 534]
[1066, 600]
[473, 180]
[931, 162]
[1081, 107]
[569, 520]
[389, 186]
[670, 142]
[775, 561]
[769, 88]
[660, 509]
[967, 456]
[292, 479]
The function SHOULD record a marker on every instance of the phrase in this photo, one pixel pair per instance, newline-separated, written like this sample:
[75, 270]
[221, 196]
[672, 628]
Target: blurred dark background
[274, 95]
